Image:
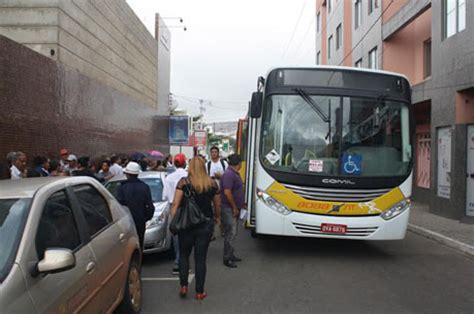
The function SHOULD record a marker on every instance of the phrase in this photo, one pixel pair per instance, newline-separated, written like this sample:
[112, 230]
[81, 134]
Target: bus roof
[333, 67]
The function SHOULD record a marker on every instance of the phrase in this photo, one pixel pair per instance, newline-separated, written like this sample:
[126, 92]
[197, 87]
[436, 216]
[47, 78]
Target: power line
[210, 100]
[366, 33]
[294, 30]
[306, 34]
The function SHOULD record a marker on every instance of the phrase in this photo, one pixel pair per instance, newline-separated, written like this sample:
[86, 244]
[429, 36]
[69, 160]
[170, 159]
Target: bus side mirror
[256, 105]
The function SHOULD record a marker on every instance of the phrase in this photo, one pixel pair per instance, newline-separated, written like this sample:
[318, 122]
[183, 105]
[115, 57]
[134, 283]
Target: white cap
[133, 168]
[72, 158]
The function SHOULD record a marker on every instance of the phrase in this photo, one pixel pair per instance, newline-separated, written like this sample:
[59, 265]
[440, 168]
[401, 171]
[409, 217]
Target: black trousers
[199, 239]
[141, 234]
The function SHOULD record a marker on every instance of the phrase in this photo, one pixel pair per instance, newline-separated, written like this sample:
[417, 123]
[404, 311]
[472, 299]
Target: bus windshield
[336, 135]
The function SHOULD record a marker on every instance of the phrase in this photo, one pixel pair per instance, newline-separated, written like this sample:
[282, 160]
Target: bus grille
[336, 195]
[353, 232]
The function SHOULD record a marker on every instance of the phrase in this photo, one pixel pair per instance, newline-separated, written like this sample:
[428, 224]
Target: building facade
[86, 75]
[431, 43]
[102, 39]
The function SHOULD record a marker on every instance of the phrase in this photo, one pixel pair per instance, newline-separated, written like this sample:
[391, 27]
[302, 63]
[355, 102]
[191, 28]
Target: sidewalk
[450, 232]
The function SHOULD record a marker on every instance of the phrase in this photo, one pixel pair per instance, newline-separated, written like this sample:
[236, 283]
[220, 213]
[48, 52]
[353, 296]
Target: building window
[318, 22]
[338, 36]
[329, 6]
[373, 59]
[329, 46]
[358, 63]
[454, 17]
[318, 58]
[427, 58]
[372, 5]
[358, 13]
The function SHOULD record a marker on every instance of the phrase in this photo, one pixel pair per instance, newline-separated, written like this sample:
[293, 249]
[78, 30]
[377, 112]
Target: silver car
[66, 245]
[158, 238]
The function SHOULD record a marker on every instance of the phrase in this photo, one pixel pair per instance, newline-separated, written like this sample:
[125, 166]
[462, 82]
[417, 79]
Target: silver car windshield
[336, 136]
[155, 184]
[13, 213]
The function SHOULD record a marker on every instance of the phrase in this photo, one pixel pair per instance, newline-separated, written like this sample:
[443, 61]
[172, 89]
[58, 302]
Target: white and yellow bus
[329, 154]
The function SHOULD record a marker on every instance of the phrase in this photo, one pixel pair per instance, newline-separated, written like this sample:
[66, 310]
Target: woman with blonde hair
[206, 193]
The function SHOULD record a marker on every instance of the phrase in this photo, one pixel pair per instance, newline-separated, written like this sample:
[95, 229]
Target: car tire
[132, 297]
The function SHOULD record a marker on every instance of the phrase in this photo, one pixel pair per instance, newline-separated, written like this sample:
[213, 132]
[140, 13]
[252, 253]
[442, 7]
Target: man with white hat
[71, 164]
[136, 195]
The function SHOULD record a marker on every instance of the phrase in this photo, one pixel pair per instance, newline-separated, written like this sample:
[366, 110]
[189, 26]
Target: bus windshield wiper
[310, 101]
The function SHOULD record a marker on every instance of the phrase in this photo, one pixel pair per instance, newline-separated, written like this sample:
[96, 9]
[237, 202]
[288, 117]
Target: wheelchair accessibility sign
[352, 164]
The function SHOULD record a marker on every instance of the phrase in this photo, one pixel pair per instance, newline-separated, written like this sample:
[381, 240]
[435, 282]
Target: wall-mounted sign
[179, 130]
[444, 162]
[200, 138]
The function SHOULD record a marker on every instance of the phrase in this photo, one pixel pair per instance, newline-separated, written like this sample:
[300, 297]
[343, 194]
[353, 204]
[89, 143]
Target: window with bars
[373, 64]
[318, 22]
[454, 17]
[329, 46]
[357, 13]
[338, 36]
[427, 58]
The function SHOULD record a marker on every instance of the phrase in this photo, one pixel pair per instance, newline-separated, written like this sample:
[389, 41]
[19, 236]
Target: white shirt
[170, 183]
[116, 170]
[15, 173]
[216, 167]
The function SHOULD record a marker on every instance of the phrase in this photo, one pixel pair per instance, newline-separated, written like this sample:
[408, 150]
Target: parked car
[66, 245]
[158, 238]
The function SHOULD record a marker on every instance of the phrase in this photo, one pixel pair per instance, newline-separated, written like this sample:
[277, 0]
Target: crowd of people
[103, 168]
[216, 186]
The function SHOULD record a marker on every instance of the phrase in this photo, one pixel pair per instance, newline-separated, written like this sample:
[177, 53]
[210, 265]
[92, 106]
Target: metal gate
[423, 153]
[470, 172]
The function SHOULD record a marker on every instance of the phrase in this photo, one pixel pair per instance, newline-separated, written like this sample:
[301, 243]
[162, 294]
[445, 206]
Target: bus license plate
[331, 228]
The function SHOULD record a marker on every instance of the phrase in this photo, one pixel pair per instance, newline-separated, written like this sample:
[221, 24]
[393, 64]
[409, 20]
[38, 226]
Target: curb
[452, 243]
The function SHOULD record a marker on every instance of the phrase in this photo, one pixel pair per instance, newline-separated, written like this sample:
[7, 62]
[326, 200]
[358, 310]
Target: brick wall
[45, 106]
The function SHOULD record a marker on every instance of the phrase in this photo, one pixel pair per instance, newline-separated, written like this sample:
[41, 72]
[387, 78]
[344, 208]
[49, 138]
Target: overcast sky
[229, 44]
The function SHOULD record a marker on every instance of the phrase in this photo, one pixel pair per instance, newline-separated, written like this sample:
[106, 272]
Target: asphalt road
[303, 275]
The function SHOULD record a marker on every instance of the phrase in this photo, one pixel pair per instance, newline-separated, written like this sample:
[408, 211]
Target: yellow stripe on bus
[297, 203]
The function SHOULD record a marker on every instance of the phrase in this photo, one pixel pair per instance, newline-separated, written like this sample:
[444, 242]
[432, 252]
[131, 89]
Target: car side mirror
[256, 105]
[56, 260]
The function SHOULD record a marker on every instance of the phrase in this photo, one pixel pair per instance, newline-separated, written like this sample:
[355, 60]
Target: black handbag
[189, 214]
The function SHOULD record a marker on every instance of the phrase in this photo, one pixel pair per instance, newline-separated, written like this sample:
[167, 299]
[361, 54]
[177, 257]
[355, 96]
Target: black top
[204, 199]
[136, 195]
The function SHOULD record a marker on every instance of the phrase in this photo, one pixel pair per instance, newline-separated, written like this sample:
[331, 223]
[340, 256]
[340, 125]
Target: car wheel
[132, 298]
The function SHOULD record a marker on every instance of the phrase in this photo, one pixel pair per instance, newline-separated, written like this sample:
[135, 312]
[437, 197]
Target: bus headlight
[396, 210]
[273, 203]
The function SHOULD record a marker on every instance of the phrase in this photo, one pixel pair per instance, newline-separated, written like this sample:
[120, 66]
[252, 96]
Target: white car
[66, 245]
[158, 238]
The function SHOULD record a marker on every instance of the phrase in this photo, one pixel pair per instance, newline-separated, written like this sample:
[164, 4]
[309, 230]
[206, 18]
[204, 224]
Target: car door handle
[122, 237]
[90, 267]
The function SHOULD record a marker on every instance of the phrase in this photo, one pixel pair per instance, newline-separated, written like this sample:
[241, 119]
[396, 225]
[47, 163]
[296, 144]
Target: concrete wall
[368, 35]
[46, 105]
[103, 39]
[404, 50]
[163, 36]
[452, 72]
[335, 18]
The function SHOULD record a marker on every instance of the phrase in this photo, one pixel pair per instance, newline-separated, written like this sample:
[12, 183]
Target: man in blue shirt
[136, 195]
